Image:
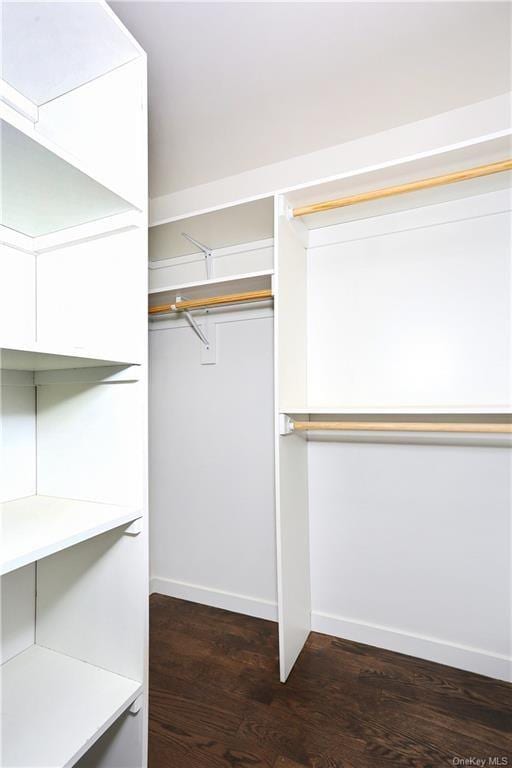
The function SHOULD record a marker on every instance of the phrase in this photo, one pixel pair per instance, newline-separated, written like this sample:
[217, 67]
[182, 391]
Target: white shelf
[55, 707]
[249, 281]
[69, 46]
[44, 190]
[37, 526]
[41, 357]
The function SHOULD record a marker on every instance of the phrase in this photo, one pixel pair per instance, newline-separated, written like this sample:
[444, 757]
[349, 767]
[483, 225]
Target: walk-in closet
[255, 384]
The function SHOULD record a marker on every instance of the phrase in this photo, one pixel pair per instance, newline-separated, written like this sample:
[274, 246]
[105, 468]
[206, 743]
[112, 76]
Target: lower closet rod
[213, 301]
[405, 426]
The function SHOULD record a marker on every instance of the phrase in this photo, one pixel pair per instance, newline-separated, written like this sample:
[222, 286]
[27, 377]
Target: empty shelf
[39, 357]
[37, 526]
[34, 207]
[55, 707]
[251, 281]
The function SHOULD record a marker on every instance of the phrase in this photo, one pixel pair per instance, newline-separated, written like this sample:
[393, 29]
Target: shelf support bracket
[196, 327]
[208, 254]
[136, 705]
[285, 424]
[133, 529]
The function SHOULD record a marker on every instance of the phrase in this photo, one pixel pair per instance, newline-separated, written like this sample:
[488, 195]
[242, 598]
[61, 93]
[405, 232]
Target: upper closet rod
[213, 301]
[397, 426]
[412, 186]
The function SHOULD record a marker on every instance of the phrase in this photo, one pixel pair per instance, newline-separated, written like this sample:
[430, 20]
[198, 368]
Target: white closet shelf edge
[45, 357]
[37, 526]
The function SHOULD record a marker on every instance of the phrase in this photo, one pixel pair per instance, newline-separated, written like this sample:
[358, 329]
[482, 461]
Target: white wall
[211, 462]
[412, 310]
[410, 549]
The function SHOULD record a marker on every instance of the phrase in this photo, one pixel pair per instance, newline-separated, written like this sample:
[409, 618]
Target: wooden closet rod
[405, 426]
[412, 186]
[213, 301]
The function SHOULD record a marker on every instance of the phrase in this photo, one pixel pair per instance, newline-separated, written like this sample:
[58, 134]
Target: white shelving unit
[73, 388]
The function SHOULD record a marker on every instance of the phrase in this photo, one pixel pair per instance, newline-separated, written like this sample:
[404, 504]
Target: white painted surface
[17, 279]
[268, 81]
[17, 441]
[36, 526]
[410, 549]
[211, 458]
[413, 311]
[102, 123]
[18, 611]
[291, 310]
[91, 602]
[119, 747]
[294, 592]
[224, 228]
[97, 427]
[435, 135]
[33, 205]
[63, 703]
[98, 280]
[51, 48]
[228, 262]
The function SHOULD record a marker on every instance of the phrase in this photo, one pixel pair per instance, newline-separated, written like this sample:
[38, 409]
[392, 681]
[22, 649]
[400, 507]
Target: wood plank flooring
[216, 701]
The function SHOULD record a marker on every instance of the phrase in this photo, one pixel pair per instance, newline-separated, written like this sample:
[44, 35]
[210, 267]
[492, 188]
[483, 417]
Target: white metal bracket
[209, 351]
[134, 528]
[196, 327]
[136, 705]
[208, 254]
[285, 424]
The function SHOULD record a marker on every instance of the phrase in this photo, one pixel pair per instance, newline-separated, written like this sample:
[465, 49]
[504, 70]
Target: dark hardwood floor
[216, 701]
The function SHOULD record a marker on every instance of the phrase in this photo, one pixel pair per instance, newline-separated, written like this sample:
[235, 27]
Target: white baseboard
[217, 598]
[463, 657]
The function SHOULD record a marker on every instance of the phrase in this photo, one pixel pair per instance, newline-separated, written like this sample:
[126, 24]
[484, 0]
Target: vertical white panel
[17, 602]
[98, 301]
[91, 602]
[103, 123]
[17, 296]
[17, 442]
[291, 306]
[293, 583]
[292, 550]
[90, 442]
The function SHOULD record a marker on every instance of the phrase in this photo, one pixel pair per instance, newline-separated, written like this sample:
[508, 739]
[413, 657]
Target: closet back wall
[211, 460]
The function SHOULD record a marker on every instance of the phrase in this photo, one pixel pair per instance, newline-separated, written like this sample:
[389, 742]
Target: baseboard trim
[217, 598]
[432, 649]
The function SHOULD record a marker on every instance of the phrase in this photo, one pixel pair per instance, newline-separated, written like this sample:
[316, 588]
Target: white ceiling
[234, 86]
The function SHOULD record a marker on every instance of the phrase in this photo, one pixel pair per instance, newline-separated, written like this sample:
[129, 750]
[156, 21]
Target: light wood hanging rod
[400, 189]
[213, 301]
[397, 426]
